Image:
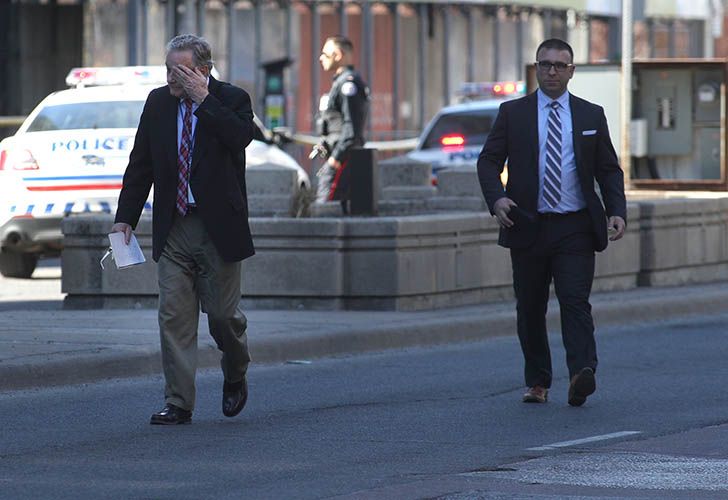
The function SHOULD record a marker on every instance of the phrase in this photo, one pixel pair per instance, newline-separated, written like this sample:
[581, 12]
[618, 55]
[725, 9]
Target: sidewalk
[58, 347]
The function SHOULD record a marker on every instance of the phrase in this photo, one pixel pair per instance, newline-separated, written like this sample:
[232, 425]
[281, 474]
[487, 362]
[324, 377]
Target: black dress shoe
[234, 397]
[171, 415]
[582, 384]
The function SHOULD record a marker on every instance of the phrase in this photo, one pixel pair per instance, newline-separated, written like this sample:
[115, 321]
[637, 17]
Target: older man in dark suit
[551, 217]
[190, 145]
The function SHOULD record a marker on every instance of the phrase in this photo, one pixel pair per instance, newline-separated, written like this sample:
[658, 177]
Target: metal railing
[393, 145]
[12, 121]
[301, 144]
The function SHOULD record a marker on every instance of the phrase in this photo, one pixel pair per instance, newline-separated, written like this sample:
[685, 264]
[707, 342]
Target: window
[88, 115]
[473, 126]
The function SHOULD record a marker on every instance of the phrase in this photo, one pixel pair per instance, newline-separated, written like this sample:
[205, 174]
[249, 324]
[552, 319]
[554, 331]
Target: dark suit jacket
[514, 137]
[217, 176]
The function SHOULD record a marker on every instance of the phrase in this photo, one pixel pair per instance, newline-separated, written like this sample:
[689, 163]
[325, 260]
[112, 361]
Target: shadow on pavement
[31, 305]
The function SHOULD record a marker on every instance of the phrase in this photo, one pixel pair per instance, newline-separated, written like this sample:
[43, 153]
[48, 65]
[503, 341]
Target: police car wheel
[17, 264]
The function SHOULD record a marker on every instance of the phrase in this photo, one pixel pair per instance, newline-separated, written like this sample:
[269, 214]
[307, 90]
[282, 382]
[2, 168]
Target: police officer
[342, 115]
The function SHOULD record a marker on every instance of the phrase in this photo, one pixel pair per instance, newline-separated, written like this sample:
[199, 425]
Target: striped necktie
[183, 159]
[552, 172]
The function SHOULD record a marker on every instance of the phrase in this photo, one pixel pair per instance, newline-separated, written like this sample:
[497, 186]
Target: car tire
[17, 264]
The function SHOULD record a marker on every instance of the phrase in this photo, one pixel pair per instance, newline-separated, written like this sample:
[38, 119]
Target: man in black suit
[190, 145]
[551, 217]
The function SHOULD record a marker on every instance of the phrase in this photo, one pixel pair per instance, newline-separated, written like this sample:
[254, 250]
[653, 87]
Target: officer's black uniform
[342, 117]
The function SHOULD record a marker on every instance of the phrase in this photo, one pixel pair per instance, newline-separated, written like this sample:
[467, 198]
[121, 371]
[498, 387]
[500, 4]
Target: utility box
[665, 101]
[682, 104]
[275, 94]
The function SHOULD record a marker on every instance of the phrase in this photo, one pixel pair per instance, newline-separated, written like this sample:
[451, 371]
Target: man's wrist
[198, 98]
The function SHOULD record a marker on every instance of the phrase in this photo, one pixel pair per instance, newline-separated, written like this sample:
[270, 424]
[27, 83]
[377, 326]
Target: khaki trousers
[192, 274]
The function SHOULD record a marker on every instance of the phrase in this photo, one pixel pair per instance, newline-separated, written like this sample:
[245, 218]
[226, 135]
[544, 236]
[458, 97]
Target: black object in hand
[520, 217]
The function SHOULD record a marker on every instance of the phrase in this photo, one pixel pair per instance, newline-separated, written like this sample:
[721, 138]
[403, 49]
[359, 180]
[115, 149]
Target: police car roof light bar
[487, 90]
[121, 75]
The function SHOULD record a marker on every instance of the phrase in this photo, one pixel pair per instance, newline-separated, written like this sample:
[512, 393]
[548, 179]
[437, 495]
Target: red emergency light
[487, 90]
[17, 160]
[452, 140]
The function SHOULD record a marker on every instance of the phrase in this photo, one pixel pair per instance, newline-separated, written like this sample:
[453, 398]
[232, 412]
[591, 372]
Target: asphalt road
[442, 422]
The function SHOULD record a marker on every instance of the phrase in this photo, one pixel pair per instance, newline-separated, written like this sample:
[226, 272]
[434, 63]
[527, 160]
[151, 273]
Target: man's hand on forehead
[193, 81]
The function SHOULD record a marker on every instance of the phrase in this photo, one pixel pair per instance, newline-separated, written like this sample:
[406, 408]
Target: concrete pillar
[188, 21]
[547, 24]
[651, 36]
[706, 38]
[424, 26]
[230, 39]
[615, 37]
[258, 51]
[446, 55]
[471, 44]
[343, 20]
[144, 27]
[702, 45]
[201, 17]
[132, 36]
[396, 28]
[171, 19]
[315, 51]
[496, 45]
[292, 75]
[519, 48]
[368, 51]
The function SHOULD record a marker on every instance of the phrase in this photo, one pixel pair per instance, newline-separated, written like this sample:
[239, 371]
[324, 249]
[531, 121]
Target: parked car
[456, 134]
[70, 154]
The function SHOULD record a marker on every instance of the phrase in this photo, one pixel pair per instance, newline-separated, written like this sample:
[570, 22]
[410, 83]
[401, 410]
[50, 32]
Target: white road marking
[576, 442]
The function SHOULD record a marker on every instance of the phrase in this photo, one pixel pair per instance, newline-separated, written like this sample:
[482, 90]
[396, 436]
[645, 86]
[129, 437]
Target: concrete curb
[410, 330]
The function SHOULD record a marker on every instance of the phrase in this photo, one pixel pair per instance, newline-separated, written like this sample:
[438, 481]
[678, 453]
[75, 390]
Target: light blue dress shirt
[572, 198]
[180, 125]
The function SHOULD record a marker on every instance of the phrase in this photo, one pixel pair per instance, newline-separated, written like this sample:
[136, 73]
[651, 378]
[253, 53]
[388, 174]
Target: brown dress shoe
[171, 415]
[536, 394]
[582, 385]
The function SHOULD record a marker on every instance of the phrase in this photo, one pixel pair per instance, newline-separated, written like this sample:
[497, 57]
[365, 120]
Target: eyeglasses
[559, 66]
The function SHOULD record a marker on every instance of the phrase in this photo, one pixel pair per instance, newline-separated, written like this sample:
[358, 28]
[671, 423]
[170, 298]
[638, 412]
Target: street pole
[626, 157]
[132, 13]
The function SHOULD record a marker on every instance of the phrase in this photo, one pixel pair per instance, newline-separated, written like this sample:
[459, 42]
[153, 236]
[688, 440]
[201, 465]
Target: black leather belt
[559, 215]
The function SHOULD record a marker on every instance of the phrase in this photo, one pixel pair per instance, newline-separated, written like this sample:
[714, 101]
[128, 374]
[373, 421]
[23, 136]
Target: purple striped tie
[552, 172]
[183, 158]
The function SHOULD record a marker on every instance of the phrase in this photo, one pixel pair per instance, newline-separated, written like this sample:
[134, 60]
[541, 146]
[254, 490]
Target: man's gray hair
[200, 48]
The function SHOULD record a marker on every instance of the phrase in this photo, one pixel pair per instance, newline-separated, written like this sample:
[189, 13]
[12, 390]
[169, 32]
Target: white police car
[70, 154]
[457, 133]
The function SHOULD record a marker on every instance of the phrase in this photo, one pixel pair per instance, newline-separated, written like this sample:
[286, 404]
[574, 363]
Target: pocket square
[589, 132]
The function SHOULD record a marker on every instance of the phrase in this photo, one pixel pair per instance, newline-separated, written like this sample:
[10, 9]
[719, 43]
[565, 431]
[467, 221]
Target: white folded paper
[124, 255]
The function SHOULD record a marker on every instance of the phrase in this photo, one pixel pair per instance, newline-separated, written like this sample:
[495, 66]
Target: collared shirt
[572, 198]
[180, 126]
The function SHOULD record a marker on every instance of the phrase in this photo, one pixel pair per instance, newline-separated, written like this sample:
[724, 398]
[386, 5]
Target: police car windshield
[473, 125]
[88, 115]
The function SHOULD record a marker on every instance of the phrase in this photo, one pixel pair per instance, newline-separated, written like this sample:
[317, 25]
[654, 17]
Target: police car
[457, 133]
[70, 154]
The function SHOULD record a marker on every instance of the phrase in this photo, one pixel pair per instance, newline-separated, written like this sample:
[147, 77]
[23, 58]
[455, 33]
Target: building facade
[415, 55]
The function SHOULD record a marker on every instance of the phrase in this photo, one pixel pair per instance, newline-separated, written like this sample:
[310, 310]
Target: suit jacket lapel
[576, 128]
[531, 127]
[168, 118]
[199, 146]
